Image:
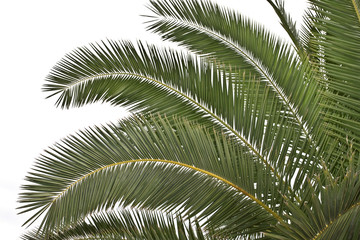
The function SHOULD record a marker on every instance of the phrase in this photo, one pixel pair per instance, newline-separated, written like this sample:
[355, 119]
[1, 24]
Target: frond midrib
[356, 9]
[239, 189]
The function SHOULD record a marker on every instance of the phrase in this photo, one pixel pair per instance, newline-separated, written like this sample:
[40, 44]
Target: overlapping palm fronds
[244, 137]
[126, 224]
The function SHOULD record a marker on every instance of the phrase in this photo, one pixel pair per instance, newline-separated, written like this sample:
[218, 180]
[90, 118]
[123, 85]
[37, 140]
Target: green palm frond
[288, 24]
[126, 224]
[335, 41]
[149, 163]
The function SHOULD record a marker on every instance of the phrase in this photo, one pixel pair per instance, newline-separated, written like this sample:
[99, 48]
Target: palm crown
[243, 137]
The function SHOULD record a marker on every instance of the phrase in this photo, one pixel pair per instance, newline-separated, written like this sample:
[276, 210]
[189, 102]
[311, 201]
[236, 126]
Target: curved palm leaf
[333, 37]
[150, 163]
[288, 24]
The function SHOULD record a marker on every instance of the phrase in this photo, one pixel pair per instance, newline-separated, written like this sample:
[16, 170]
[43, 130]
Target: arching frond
[152, 164]
[335, 42]
[288, 24]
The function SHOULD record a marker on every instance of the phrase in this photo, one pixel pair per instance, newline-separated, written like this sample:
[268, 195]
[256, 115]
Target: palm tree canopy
[244, 136]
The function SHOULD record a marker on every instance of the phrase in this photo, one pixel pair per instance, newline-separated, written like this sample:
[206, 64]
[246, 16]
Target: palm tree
[242, 137]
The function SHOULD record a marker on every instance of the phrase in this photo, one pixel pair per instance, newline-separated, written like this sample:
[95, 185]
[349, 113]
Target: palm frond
[288, 24]
[335, 43]
[126, 224]
[152, 80]
[150, 163]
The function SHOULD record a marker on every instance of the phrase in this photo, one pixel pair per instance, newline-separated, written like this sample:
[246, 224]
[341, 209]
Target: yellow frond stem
[356, 9]
[241, 190]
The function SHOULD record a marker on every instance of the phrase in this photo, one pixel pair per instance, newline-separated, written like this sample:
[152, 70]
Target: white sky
[34, 36]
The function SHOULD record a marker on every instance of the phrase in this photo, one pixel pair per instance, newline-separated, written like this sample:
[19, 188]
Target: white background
[34, 36]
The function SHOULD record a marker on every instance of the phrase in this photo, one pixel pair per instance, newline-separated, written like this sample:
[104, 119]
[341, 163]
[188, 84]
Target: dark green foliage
[243, 137]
